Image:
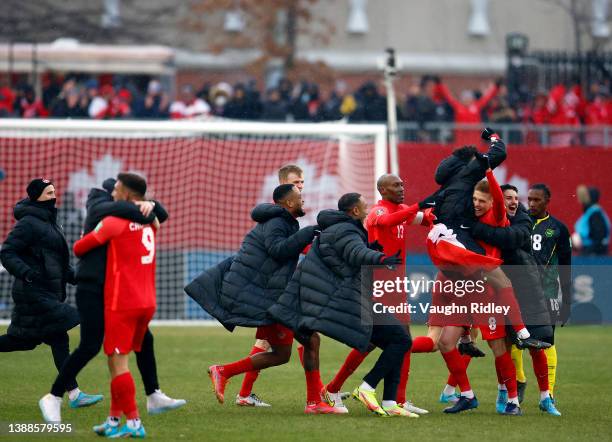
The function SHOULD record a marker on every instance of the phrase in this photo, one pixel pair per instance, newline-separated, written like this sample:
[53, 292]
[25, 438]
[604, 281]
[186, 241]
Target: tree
[271, 28]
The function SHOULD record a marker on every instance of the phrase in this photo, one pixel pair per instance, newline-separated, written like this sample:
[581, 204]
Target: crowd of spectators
[426, 101]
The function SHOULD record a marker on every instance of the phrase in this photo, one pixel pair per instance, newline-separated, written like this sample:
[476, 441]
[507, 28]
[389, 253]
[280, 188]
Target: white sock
[544, 395]
[133, 424]
[501, 387]
[365, 386]
[513, 400]
[523, 333]
[449, 390]
[468, 394]
[389, 404]
[73, 394]
[113, 421]
[465, 339]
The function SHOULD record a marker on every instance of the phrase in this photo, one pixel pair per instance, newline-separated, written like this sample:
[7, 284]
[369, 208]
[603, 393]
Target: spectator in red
[100, 105]
[27, 105]
[121, 104]
[536, 114]
[7, 97]
[597, 113]
[565, 107]
[189, 105]
[467, 110]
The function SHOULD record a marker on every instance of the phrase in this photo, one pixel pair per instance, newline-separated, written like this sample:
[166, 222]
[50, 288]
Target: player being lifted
[129, 301]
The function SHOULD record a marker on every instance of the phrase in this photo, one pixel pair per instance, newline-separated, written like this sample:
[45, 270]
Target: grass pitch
[183, 354]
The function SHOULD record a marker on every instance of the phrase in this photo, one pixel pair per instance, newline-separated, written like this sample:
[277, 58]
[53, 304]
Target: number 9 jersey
[130, 262]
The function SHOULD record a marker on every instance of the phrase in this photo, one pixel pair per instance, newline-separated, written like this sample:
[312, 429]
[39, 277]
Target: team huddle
[292, 283]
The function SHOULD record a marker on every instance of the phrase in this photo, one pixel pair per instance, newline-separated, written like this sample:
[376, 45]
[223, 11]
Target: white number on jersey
[536, 241]
[400, 231]
[148, 241]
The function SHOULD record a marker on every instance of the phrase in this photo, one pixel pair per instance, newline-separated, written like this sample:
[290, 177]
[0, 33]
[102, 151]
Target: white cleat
[251, 400]
[159, 402]
[409, 406]
[51, 407]
[334, 400]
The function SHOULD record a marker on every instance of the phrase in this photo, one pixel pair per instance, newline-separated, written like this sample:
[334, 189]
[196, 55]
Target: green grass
[183, 354]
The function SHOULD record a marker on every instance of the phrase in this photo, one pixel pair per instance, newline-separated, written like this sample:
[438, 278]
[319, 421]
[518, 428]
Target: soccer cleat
[470, 349]
[463, 404]
[321, 408]
[512, 409]
[409, 406]
[51, 408]
[397, 411]
[125, 431]
[368, 398]
[531, 343]
[218, 381]
[521, 387]
[502, 400]
[251, 400]
[106, 429]
[333, 400]
[85, 400]
[548, 405]
[158, 402]
[448, 398]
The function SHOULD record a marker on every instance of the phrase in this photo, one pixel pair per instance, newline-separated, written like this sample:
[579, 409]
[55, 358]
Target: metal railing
[533, 134]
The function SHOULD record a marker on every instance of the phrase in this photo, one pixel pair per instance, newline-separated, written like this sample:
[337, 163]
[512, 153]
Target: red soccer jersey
[387, 223]
[130, 262]
[496, 215]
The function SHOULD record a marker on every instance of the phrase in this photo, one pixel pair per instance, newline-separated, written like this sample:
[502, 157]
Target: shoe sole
[154, 411]
[219, 396]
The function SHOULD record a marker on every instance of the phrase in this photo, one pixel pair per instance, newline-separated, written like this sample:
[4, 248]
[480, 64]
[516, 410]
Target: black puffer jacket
[258, 274]
[36, 254]
[519, 265]
[91, 273]
[324, 294]
[457, 177]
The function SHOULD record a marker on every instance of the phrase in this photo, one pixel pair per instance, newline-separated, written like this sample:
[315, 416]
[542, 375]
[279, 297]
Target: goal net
[208, 175]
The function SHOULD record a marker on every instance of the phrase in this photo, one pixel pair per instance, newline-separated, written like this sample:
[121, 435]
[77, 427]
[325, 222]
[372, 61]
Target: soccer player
[90, 278]
[288, 174]
[552, 249]
[35, 253]
[129, 301]
[256, 278]
[386, 224]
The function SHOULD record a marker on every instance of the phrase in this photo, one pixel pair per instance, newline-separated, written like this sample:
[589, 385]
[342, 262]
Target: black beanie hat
[36, 187]
[109, 184]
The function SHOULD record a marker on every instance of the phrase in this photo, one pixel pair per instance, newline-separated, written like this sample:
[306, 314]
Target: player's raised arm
[108, 228]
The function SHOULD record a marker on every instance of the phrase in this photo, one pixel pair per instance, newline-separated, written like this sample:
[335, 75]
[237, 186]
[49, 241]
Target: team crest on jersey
[380, 211]
[98, 227]
[549, 233]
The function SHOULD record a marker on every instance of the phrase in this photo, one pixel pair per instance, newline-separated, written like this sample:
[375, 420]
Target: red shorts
[275, 334]
[124, 330]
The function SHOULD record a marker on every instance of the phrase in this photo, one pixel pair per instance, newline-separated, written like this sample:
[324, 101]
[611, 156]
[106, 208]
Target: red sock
[403, 382]
[238, 367]
[313, 386]
[123, 392]
[507, 370]
[300, 351]
[500, 378]
[451, 379]
[422, 344]
[250, 376]
[540, 368]
[353, 360]
[456, 366]
[506, 296]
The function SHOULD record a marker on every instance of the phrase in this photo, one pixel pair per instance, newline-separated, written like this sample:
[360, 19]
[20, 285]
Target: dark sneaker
[470, 349]
[512, 410]
[531, 343]
[463, 404]
[521, 387]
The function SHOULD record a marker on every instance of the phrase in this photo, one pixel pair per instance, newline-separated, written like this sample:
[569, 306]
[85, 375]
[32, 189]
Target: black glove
[317, 231]
[487, 133]
[392, 260]
[483, 159]
[429, 202]
[375, 246]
